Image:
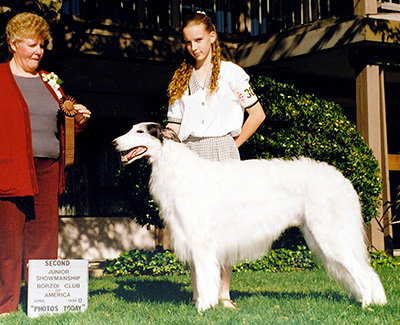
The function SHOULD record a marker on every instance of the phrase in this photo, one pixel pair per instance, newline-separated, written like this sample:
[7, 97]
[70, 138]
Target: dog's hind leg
[207, 277]
[346, 261]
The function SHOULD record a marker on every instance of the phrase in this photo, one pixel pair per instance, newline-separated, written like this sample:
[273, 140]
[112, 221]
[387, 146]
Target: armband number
[246, 96]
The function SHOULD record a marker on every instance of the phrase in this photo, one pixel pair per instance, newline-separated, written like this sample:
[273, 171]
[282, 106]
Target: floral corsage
[54, 82]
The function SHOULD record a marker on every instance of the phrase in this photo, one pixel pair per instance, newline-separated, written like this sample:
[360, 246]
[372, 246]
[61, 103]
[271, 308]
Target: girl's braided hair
[180, 81]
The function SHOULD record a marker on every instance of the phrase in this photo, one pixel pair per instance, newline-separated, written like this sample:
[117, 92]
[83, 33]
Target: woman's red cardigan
[17, 170]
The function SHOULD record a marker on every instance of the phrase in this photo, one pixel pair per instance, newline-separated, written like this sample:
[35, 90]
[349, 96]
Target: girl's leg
[194, 284]
[224, 295]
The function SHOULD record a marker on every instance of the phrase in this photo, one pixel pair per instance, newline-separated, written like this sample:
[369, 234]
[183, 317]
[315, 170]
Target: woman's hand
[83, 114]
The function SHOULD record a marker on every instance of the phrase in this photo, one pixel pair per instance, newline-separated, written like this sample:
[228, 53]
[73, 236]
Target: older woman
[31, 156]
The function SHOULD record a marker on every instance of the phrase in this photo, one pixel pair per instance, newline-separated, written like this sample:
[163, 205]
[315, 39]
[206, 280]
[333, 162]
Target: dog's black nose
[114, 143]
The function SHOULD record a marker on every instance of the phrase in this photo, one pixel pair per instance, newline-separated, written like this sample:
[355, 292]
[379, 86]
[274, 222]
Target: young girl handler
[207, 99]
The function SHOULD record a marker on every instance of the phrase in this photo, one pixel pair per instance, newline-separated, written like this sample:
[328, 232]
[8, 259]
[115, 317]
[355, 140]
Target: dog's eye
[140, 131]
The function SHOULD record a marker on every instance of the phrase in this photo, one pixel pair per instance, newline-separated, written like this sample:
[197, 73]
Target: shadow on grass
[161, 290]
[327, 295]
[154, 290]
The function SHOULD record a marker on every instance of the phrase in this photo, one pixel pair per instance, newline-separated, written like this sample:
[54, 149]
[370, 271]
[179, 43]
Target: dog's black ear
[168, 133]
[154, 130]
[157, 131]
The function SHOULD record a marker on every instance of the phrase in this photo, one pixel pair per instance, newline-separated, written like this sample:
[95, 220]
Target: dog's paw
[203, 305]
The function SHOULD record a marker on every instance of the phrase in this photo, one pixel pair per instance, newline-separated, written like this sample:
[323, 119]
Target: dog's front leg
[206, 272]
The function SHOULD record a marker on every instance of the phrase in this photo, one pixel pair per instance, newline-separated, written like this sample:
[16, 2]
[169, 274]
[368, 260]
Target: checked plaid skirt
[214, 148]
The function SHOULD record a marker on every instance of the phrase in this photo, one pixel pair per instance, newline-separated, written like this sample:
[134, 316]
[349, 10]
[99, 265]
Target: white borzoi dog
[219, 213]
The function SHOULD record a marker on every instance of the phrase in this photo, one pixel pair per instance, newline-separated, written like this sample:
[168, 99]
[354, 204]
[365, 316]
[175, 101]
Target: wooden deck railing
[240, 17]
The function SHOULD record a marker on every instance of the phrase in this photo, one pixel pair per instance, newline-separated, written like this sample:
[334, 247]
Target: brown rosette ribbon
[66, 104]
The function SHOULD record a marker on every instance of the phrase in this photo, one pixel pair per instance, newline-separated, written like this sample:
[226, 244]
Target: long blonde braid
[180, 81]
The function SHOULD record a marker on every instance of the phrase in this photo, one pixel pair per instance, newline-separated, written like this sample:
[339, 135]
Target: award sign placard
[57, 286]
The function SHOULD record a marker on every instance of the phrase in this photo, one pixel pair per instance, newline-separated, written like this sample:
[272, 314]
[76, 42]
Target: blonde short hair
[27, 25]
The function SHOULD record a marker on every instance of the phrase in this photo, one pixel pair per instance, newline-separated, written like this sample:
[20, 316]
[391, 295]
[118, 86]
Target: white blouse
[221, 113]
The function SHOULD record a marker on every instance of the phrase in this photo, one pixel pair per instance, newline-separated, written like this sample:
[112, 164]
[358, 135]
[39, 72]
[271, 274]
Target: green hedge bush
[381, 259]
[159, 262]
[137, 203]
[280, 260]
[140, 262]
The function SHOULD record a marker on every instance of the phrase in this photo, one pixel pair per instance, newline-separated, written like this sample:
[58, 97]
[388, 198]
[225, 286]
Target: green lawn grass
[304, 297]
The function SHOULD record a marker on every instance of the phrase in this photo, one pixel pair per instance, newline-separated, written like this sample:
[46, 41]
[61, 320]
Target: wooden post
[365, 7]
[385, 166]
[371, 122]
